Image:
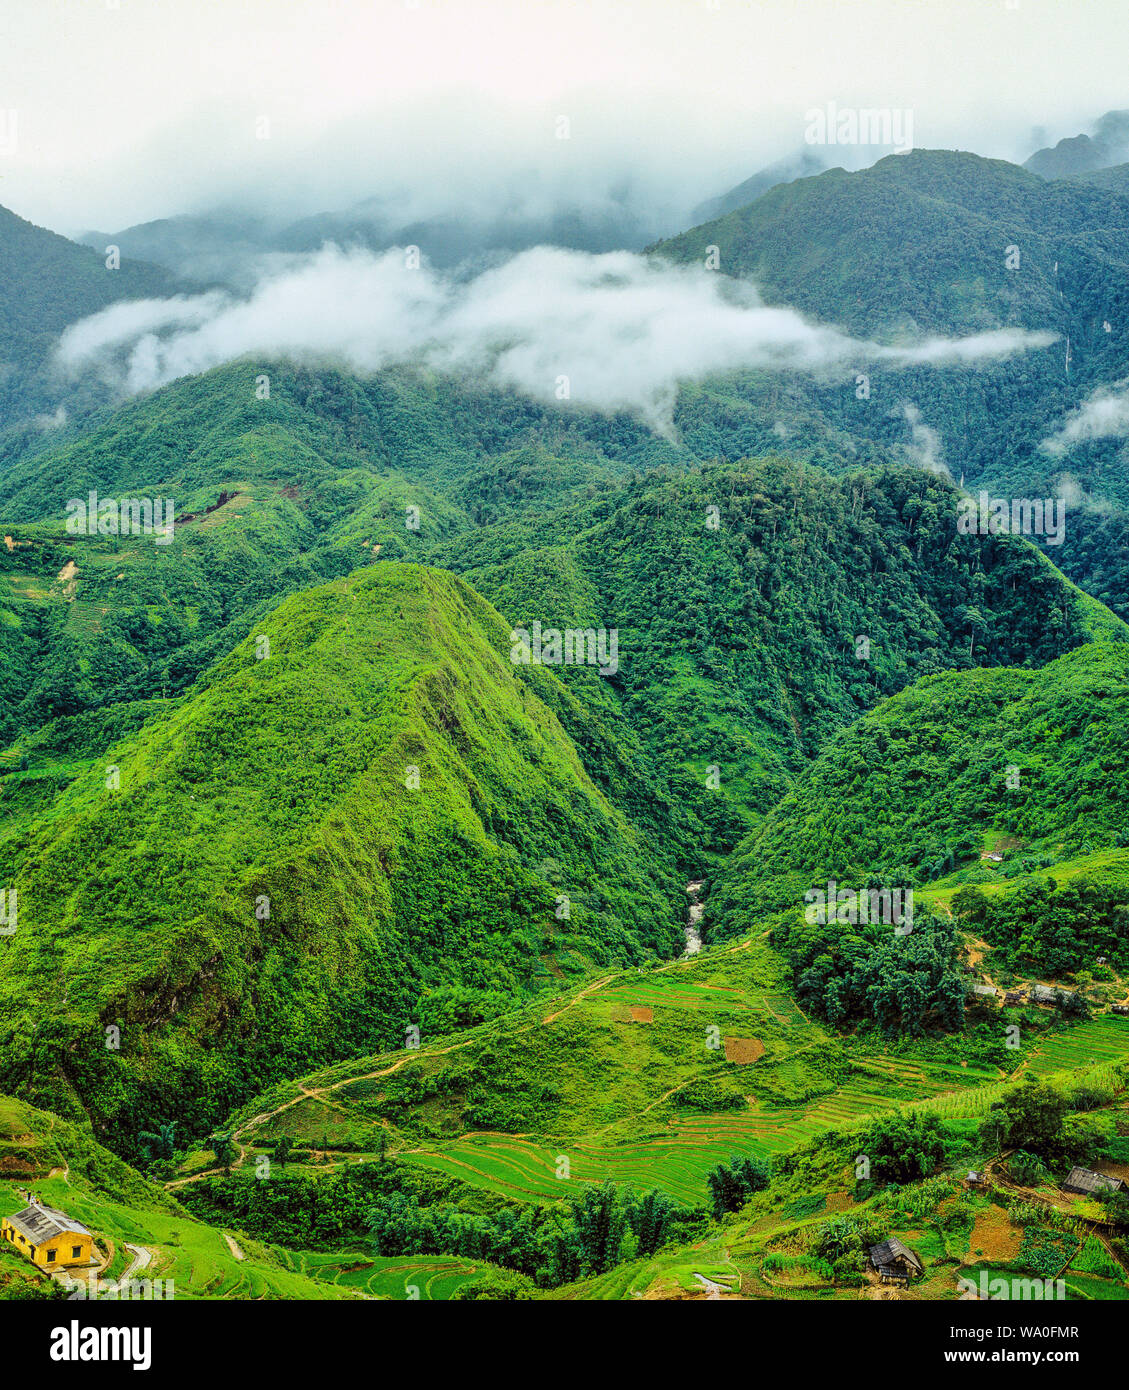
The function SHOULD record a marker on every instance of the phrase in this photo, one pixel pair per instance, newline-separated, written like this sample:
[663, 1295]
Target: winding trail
[318, 1093]
[142, 1257]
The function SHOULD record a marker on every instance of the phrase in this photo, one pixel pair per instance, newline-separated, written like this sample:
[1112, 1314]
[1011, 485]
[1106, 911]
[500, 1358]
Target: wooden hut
[895, 1263]
[1089, 1183]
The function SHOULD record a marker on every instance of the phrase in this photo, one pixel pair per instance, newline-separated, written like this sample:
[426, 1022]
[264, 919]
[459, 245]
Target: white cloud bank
[1104, 414]
[616, 331]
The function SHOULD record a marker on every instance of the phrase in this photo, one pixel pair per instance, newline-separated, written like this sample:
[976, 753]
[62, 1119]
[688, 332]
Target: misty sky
[134, 109]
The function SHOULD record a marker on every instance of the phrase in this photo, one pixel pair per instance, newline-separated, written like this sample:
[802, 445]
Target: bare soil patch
[743, 1050]
[994, 1234]
[640, 1013]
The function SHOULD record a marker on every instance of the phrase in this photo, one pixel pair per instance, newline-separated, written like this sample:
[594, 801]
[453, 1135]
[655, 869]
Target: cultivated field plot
[1103, 1039]
[415, 1278]
[649, 1079]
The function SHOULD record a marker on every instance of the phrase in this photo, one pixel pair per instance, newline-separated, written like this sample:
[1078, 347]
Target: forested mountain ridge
[762, 607]
[922, 782]
[919, 241]
[740, 593]
[359, 820]
[48, 283]
[942, 242]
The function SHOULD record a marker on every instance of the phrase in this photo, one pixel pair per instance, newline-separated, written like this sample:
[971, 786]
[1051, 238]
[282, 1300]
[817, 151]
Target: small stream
[693, 930]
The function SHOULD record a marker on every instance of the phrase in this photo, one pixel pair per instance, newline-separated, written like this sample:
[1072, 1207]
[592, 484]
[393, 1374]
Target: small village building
[988, 991]
[48, 1237]
[1013, 996]
[895, 1263]
[1045, 994]
[1120, 1009]
[1087, 1182]
[974, 1179]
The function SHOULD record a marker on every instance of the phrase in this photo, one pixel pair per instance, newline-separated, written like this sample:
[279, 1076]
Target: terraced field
[679, 1154]
[616, 1056]
[1103, 1039]
[416, 1278]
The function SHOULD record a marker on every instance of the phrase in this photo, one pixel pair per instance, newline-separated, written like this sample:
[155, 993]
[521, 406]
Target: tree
[159, 1145]
[903, 1148]
[650, 1221]
[600, 1219]
[731, 1185]
[1030, 1117]
[224, 1149]
[282, 1147]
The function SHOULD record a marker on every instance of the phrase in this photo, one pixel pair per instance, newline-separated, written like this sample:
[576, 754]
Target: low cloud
[926, 447]
[1103, 415]
[607, 332]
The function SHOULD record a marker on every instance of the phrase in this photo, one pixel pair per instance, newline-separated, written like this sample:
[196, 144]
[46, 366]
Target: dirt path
[142, 1257]
[318, 1093]
[233, 1246]
[588, 989]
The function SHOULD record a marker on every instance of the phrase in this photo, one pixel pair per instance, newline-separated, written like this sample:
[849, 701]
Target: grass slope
[268, 887]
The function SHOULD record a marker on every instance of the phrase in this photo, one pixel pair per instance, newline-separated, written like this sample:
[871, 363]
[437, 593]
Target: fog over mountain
[422, 106]
[611, 332]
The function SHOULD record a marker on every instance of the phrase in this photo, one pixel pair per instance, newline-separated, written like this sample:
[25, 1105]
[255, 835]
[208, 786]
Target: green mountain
[48, 283]
[937, 242]
[739, 594]
[377, 825]
[761, 608]
[920, 784]
[858, 261]
[1084, 154]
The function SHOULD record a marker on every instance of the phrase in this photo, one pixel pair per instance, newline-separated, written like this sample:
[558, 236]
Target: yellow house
[48, 1237]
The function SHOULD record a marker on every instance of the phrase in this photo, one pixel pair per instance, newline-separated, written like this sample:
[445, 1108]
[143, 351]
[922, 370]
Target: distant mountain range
[1106, 145]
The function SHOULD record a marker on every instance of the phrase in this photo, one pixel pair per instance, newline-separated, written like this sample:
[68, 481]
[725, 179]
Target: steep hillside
[376, 825]
[917, 786]
[46, 284]
[761, 608]
[269, 496]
